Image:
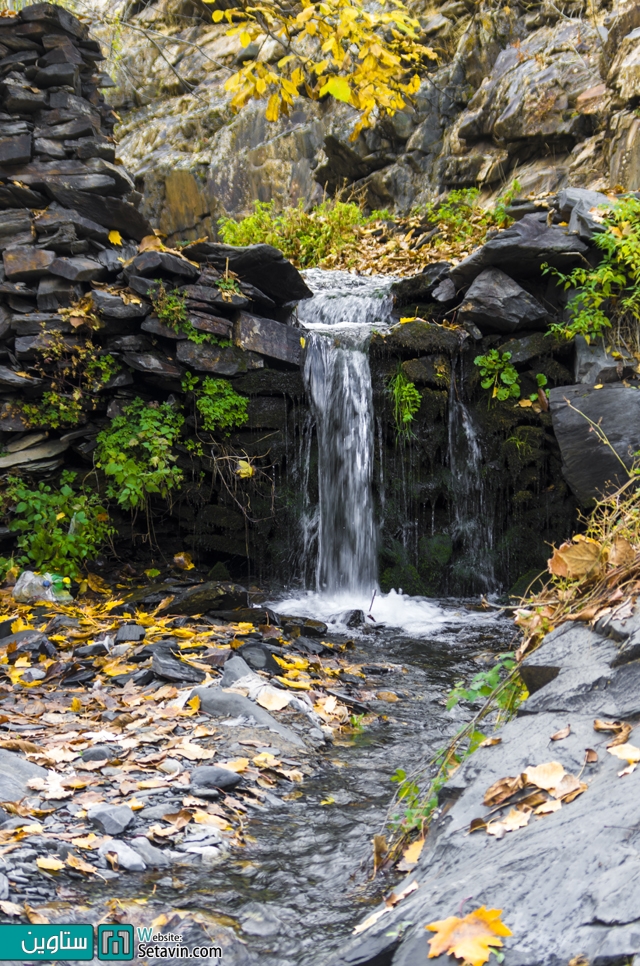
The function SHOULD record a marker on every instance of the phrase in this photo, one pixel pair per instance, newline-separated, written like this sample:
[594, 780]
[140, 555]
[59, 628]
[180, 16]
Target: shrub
[58, 530]
[134, 453]
[220, 406]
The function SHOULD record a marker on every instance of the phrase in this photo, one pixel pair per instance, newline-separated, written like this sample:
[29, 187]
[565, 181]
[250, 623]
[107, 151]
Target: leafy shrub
[134, 453]
[612, 289]
[58, 529]
[498, 375]
[305, 237]
[53, 410]
[171, 309]
[217, 402]
[406, 402]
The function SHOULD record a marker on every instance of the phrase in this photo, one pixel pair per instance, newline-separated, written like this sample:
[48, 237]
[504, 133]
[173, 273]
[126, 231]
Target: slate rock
[12, 380]
[34, 454]
[16, 150]
[589, 467]
[128, 858]
[521, 249]
[101, 752]
[113, 213]
[496, 303]
[419, 337]
[154, 326]
[17, 99]
[56, 16]
[432, 371]
[418, 288]
[263, 266]
[213, 777]
[165, 666]
[593, 364]
[15, 228]
[57, 75]
[235, 667]
[153, 364]
[114, 307]
[77, 269]
[226, 704]
[24, 264]
[15, 772]
[258, 657]
[152, 857]
[153, 264]
[56, 216]
[55, 292]
[221, 361]
[130, 632]
[269, 338]
[111, 819]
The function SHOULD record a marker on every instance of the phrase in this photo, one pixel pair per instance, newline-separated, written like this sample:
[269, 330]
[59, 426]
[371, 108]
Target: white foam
[416, 616]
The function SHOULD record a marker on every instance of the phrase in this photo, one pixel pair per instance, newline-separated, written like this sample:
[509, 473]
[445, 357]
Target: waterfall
[339, 320]
[472, 519]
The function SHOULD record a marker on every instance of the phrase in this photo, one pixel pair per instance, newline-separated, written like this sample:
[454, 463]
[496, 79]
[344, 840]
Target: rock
[596, 914]
[429, 371]
[150, 855]
[111, 819]
[495, 303]
[153, 364]
[208, 778]
[24, 264]
[129, 859]
[225, 704]
[624, 76]
[130, 632]
[589, 467]
[113, 213]
[114, 307]
[571, 198]
[101, 753]
[15, 772]
[15, 228]
[13, 380]
[529, 347]
[15, 150]
[418, 288]
[35, 453]
[235, 668]
[77, 269]
[267, 337]
[4, 886]
[419, 337]
[154, 264]
[222, 362]
[304, 625]
[263, 266]
[165, 666]
[521, 249]
[593, 364]
[56, 217]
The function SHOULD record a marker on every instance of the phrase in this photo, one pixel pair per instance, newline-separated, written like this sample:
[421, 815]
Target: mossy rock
[432, 370]
[270, 382]
[419, 337]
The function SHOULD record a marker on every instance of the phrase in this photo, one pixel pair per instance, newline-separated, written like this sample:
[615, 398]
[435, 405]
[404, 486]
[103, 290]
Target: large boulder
[591, 467]
[495, 303]
[566, 884]
[263, 266]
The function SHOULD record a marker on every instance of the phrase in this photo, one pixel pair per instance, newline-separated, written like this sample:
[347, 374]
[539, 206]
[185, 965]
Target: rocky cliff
[542, 91]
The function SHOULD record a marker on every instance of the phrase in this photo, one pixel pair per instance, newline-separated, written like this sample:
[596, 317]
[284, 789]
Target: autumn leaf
[621, 729]
[273, 699]
[581, 559]
[627, 752]
[562, 734]
[115, 237]
[569, 788]
[11, 908]
[470, 938]
[183, 561]
[553, 805]
[410, 856]
[49, 863]
[517, 818]
[34, 917]
[337, 87]
[150, 243]
[98, 585]
[75, 862]
[490, 742]
[545, 776]
[244, 469]
[501, 790]
[621, 553]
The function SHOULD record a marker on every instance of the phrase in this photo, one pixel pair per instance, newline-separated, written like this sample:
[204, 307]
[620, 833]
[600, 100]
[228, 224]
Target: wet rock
[221, 704]
[15, 772]
[589, 467]
[209, 778]
[24, 264]
[15, 228]
[267, 337]
[429, 371]
[495, 303]
[16, 150]
[130, 632]
[263, 266]
[111, 819]
[521, 250]
[165, 666]
[13, 380]
[259, 658]
[418, 288]
[154, 264]
[150, 855]
[303, 625]
[221, 361]
[114, 307]
[259, 919]
[128, 858]
[419, 337]
[593, 364]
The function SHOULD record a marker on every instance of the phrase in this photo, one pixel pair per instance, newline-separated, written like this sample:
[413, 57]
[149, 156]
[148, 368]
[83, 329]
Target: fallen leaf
[628, 753]
[183, 561]
[266, 760]
[490, 742]
[621, 553]
[200, 817]
[470, 938]
[628, 769]
[34, 917]
[590, 756]
[370, 920]
[410, 856]
[553, 805]
[49, 863]
[580, 559]
[477, 824]
[90, 841]
[75, 862]
[517, 818]
[545, 776]
[180, 819]
[10, 908]
[194, 703]
[244, 469]
[194, 752]
[387, 696]
[115, 237]
[395, 897]
[273, 699]
[328, 801]
[98, 585]
[501, 790]
[150, 243]
[237, 764]
[569, 788]
[533, 799]
[21, 744]
[563, 733]
[621, 729]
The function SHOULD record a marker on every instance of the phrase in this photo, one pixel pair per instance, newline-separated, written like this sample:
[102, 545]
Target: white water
[340, 533]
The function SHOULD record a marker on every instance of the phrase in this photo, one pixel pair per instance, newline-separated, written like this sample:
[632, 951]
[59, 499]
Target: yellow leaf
[337, 87]
[622, 553]
[98, 585]
[23, 661]
[49, 863]
[546, 776]
[470, 938]
[245, 38]
[272, 114]
[115, 237]
[303, 341]
[183, 561]
[75, 862]
[218, 15]
[35, 918]
[273, 699]
[627, 752]
[328, 801]
[265, 760]
[244, 468]
[237, 764]
[90, 841]
[525, 403]
[411, 855]
[76, 704]
[194, 702]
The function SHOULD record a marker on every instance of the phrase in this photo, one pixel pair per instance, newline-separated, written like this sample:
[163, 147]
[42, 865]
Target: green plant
[500, 216]
[171, 309]
[542, 381]
[406, 402]
[134, 453]
[217, 402]
[484, 684]
[611, 290]
[305, 237]
[498, 375]
[356, 722]
[102, 368]
[58, 530]
[53, 411]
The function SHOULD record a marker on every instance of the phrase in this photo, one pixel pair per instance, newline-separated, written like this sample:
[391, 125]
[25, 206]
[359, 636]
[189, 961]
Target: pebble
[170, 766]
[112, 819]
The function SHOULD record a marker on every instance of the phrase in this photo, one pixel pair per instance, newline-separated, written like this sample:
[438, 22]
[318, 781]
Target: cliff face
[541, 91]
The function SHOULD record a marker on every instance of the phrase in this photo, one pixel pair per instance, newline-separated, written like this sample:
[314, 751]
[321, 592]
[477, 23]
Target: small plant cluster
[58, 529]
[611, 290]
[171, 309]
[217, 402]
[502, 379]
[406, 402]
[305, 237]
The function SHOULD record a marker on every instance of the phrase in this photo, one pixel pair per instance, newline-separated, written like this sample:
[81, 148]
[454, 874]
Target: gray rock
[267, 337]
[24, 263]
[225, 704]
[35, 453]
[77, 269]
[153, 364]
[165, 666]
[130, 632]
[589, 466]
[15, 772]
[212, 777]
[495, 303]
[567, 881]
[417, 288]
[151, 856]
[258, 657]
[263, 266]
[13, 380]
[226, 361]
[129, 859]
[593, 364]
[101, 753]
[4, 886]
[112, 819]
[234, 669]
[113, 306]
